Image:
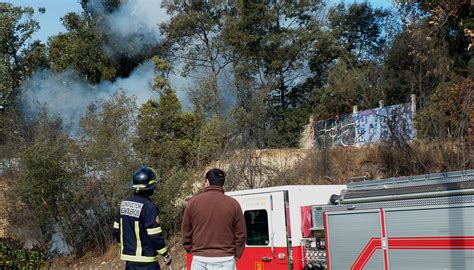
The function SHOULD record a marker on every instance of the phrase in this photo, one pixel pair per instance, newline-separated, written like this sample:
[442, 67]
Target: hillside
[273, 92]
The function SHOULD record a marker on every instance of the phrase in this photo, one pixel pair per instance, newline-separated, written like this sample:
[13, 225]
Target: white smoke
[134, 27]
[67, 96]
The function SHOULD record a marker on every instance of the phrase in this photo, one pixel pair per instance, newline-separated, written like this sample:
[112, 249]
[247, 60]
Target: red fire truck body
[273, 224]
[423, 222]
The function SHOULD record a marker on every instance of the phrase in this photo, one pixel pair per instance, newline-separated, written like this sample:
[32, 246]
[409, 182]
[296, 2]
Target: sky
[50, 23]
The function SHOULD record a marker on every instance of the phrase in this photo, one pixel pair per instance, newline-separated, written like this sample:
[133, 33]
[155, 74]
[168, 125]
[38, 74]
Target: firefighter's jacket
[138, 230]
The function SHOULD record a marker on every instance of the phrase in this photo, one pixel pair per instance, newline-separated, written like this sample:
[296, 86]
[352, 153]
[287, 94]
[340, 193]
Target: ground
[110, 260]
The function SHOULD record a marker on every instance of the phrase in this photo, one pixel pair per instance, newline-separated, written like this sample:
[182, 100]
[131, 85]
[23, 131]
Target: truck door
[267, 231]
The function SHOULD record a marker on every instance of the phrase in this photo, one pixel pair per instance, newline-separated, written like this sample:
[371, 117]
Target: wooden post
[381, 104]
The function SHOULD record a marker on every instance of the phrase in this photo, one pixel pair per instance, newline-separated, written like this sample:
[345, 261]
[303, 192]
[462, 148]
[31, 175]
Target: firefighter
[137, 227]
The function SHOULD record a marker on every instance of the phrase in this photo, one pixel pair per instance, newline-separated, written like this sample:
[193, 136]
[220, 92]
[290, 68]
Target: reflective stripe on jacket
[138, 230]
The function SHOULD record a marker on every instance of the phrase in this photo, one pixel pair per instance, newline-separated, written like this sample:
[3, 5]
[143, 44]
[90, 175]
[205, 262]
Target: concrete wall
[362, 128]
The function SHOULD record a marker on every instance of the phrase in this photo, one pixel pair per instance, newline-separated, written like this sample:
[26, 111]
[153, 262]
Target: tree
[165, 133]
[17, 25]
[193, 35]
[35, 57]
[47, 175]
[450, 21]
[80, 49]
[346, 61]
[269, 44]
[358, 31]
[16, 28]
[125, 56]
[109, 160]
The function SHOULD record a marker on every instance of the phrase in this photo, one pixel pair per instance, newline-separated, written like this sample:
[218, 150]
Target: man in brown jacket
[213, 228]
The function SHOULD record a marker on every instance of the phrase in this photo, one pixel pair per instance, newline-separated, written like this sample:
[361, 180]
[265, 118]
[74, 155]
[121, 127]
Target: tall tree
[269, 44]
[165, 132]
[346, 60]
[193, 36]
[358, 30]
[17, 25]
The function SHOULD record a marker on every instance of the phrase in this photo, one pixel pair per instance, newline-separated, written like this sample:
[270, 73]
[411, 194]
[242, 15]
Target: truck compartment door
[265, 220]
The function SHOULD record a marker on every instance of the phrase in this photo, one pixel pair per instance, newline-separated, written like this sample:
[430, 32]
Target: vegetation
[259, 70]
[13, 256]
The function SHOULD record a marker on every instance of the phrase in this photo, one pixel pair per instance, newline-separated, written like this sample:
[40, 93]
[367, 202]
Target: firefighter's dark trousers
[142, 266]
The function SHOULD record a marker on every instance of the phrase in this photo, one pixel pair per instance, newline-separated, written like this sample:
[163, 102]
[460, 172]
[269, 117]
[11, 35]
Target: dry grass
[341, 165]
[111, 260]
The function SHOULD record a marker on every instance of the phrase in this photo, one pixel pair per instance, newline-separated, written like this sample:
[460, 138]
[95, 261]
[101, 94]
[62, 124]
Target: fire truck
[416, 223]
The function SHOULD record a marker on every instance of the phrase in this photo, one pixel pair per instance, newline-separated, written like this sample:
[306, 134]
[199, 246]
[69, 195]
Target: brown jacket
[213, 225]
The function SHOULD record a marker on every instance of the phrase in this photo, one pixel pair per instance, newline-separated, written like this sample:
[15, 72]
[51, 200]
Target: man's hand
[167, 258]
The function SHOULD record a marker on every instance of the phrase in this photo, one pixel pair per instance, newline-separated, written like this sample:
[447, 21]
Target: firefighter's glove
[167, 258]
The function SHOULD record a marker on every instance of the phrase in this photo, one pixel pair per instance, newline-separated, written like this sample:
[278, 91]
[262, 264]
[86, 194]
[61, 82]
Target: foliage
[193, 37]
[16, 27]
[346, 60]
[173, 186]
[358, 30]
[259, 69]
[80, 49]
[47, 173]
[165, 133]
[210, 141]
[35, 57]
[107, 154]
[14, 256]
[442, 117]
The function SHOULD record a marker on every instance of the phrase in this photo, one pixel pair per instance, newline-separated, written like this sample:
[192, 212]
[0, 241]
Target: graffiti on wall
[335, 132]
[367, 127]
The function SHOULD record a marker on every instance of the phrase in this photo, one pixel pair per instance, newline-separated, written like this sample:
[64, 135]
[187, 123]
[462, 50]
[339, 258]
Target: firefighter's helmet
[144, 178]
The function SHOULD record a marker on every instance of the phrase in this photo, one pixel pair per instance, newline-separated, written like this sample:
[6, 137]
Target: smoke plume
[67, 96]
[134, 27]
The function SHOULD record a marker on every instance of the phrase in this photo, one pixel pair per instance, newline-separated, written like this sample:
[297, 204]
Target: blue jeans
[227, 265]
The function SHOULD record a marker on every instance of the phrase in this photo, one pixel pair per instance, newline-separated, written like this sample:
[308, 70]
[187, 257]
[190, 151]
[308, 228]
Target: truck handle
[266, 259]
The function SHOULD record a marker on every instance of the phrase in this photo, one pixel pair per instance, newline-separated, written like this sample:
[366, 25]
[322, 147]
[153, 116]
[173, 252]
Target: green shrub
[14, 256]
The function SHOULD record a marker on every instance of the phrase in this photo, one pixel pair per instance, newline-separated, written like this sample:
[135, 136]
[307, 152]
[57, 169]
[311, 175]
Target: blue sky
[50, 21]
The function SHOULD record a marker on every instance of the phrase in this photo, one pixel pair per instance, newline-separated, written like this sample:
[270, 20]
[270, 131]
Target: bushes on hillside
[14, 256]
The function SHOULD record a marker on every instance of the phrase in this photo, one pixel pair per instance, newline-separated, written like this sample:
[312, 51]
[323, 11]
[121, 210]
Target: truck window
[256, 222]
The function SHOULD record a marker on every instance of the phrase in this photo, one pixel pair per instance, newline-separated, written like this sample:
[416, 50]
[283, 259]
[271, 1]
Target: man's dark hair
[216, 177]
